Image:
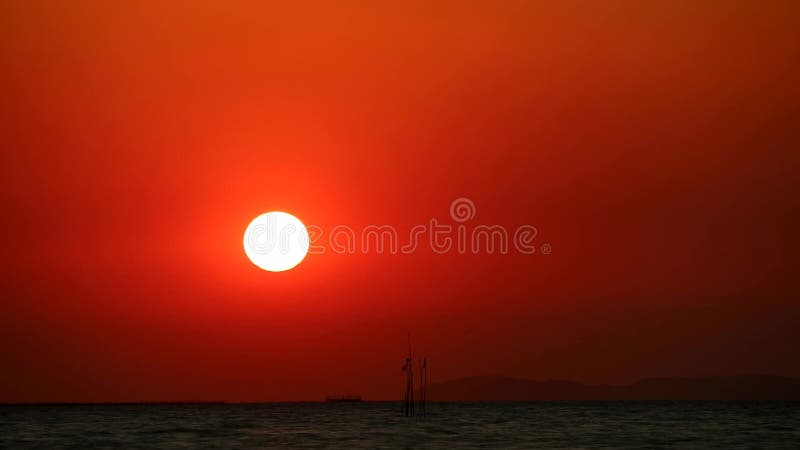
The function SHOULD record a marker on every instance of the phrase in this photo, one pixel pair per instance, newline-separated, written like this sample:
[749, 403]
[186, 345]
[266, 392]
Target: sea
[372, 425]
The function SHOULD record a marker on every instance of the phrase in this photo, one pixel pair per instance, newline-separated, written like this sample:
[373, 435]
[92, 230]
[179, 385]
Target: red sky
[653, 144]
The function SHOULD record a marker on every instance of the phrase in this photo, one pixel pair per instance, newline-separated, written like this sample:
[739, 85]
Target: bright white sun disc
[276, 241]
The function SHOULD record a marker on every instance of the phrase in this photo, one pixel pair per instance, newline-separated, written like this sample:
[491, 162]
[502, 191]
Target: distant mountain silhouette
[748, 387]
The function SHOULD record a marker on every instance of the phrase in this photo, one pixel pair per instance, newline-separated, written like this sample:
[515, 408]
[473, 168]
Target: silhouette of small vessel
[343, 399]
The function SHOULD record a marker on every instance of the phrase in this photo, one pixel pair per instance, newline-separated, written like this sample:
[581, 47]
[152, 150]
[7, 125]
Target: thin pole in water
[424, 387]
[410, 395]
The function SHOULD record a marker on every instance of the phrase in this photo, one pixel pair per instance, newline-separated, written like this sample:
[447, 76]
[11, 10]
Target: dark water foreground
[563, 425]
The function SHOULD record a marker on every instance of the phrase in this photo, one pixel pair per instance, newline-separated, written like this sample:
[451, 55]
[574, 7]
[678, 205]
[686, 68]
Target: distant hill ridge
[497, 388]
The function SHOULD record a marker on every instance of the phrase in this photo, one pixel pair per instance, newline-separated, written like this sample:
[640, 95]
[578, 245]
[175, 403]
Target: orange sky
[653, 144]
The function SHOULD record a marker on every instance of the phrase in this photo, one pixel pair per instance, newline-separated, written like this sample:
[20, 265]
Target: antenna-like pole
[423, 393]
[406, 409]
[410, 378]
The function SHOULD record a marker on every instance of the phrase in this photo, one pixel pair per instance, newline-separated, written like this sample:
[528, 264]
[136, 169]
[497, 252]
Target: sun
[276, 241]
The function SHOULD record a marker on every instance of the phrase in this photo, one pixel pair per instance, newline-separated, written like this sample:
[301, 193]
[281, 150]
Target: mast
[423, 387]
[410, 380]
[406, 396]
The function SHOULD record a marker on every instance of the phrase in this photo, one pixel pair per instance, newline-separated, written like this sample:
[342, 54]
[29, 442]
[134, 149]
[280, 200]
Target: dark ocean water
[562, 425]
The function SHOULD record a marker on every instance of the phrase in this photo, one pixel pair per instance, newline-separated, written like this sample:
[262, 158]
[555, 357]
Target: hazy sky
[654, 145]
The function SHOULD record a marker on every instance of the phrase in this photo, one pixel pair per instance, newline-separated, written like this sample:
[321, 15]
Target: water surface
[535, 425]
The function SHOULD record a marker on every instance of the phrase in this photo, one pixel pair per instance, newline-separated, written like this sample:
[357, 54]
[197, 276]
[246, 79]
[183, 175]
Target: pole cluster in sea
[408, 368]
